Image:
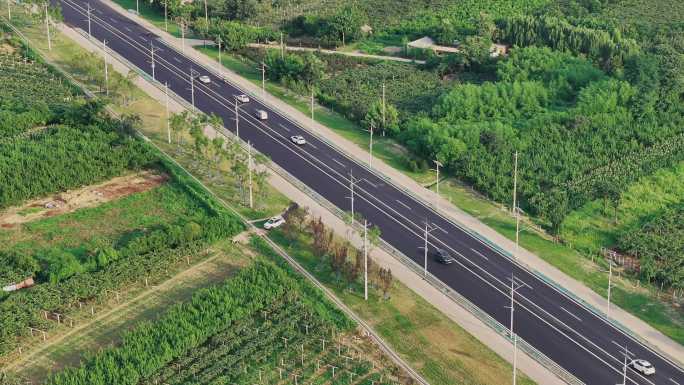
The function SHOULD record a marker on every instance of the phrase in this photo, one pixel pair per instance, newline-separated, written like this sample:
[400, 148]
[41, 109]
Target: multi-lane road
[580, 341]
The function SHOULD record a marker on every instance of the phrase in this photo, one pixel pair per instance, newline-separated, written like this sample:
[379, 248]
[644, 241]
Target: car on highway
[242, 98]
[274, 222]
[205, 79]
[298, 139]
[442, 256]
[642, 366]
[261, 114]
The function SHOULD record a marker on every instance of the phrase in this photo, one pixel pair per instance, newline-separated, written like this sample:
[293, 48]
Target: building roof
[427, 43]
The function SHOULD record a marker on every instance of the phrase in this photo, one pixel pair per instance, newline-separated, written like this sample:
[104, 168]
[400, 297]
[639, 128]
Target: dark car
[443, 257]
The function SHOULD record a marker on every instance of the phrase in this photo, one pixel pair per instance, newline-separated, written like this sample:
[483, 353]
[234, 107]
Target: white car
[642, 366]
[298, 139]
[261, 114]
[205, 79]
[242, 98]
[274, 222]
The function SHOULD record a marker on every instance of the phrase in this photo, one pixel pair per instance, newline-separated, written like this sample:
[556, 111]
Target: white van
[261, 114]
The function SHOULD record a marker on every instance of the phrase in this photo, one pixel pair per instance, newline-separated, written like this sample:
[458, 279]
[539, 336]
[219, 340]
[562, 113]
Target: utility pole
[425, 247]
[249, 169]
[47, 27]
[106, 70]
[365, 259]
[438, 164]
[9, 11]
[515, 205]
[137, 7]
[514, 336]
[168, 123]
[89, 12]
[166, 15]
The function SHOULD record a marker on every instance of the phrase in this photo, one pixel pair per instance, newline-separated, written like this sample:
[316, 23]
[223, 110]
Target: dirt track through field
[88, 196]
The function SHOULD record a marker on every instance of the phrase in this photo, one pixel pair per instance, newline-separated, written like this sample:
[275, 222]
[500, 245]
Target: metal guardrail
[530, 350]
[331, 296]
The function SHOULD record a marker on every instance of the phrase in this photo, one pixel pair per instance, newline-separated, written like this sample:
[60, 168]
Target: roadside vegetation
[165, 205]
[438, 348]
[594, 110]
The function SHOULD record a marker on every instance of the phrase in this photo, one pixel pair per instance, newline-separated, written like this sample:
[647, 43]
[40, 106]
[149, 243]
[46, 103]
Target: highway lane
[572, 336]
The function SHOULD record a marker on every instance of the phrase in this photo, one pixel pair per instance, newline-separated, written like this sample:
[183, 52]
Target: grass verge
[427, 339]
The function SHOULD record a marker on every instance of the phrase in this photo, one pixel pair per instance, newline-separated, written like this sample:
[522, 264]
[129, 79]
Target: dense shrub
[659, 245]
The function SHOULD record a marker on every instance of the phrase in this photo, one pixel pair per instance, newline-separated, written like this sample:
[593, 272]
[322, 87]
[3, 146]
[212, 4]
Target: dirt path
[89, 196]
[333, 52]
[106, 327]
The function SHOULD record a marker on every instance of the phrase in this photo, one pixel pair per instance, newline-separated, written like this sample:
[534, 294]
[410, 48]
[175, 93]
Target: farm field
[91, 243]
[262, 310]
[107, 327]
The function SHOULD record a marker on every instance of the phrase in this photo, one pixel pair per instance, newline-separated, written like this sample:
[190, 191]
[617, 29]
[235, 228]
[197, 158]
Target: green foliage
[31, 93]
[382, 118]
[659, 244]
[306, 68]
[571, 123]
[352, 90]
[15, 267]
[607, 48]
[234, 35]
[65, 157]
[150, 346]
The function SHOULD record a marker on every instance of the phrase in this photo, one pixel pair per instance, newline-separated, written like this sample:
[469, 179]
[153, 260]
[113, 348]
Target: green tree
[389, 122]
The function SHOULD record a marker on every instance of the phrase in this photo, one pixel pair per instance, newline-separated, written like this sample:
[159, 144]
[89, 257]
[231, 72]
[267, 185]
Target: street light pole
[263, 77]
[365, 259]
[312, 103]
[137, 7]
[438, 164]
[352, 183]
[610, 285]
[182, 25]
[168, 123]
[89, 30]
[152, 49]
[106, 70]
[425, 247]
[514, 336]
[237, 120]
[249, 170]
[166, 16]
[384, 123]
[9, 11]
[47, 27]
[370, 147]
[192, 89]
[220, 62]
[515, 205]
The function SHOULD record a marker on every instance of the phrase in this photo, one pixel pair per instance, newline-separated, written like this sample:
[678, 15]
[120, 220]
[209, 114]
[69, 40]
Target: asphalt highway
[573, 336]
